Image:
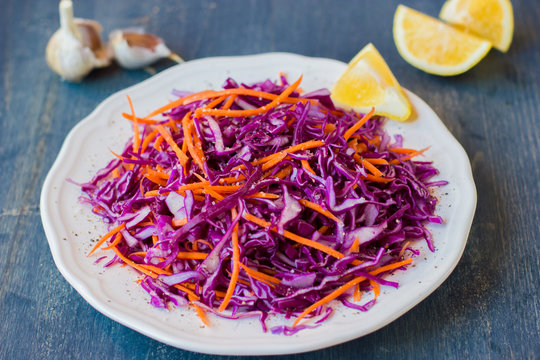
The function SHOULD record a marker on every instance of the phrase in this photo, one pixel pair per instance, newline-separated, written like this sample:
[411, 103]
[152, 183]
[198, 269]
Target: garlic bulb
[76, 48]
[133, 48]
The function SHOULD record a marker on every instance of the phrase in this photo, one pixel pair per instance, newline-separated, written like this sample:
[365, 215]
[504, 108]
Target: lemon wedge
[368, 83]
[433, 46]
[490, 19]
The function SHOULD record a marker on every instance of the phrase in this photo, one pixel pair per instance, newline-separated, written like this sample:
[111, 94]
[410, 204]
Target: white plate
[70, 227]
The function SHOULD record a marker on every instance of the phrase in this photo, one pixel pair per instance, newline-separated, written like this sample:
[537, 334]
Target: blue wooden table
[489, 306]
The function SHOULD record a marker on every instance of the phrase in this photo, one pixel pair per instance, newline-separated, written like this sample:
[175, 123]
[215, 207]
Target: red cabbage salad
[257, 200]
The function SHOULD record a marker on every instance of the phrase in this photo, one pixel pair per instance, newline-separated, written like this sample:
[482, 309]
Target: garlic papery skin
[75, 48]
[134, 49]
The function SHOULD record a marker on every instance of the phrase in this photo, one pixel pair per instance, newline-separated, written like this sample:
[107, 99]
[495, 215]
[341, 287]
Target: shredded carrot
[403, 248]
[204, 242]
[299, 239]
[299, 147]
[140, 120]
[376, 178]
[194, 255]
[252, 112]
[106, 237]
[323, 229]
[179, 222]
[357, 294]
[158, 142]
[355, 247]
[116, 241]
[318, 208]
[156, 179]
[376, 288]
[136, 140]
[215, 102]
[229, 102]
[235, 263]
[200, 312]
[263, 195]
[208, 94]
[254, 273]
[371, 168]
[189, 141]
[157, 173]
[402, 150]
[305, 165]
[376, 161]
[115, 173]
[147, 139]
[358, 125]
[409, 157]
[168, 138]
[340, 290]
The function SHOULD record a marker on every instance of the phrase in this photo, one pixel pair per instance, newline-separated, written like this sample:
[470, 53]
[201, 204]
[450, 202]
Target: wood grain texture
[489, 306]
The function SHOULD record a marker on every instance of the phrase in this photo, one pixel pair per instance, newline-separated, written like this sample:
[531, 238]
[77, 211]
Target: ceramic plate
[71, 228]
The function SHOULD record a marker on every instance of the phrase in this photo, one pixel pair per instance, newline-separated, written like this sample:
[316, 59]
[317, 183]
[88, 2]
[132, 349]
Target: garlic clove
[90, 31]
[75, 48]
[134, 49]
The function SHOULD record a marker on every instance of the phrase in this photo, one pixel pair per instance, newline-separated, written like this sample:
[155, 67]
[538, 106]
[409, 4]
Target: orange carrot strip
[303, 146]
[323, 229]
[278, 157]
[107, 236]
[263, 195]
[402, 150]
[404, 248]
[115, 173]
[152, 274]
[409, 157]
[214, 194]
[305, 165]
[376, 178]
[156, 179]
[140, 120]
[148, 138]
[318, 208]
[158, 174]
[189, 141]
[116, 241]
[236, 265]
[252, 112]
[158, 142]
[179, 222]
[359, 124]
[355, 247]
[183, 100]
[299, 239]
[376, 288]
[371, 168]
[376, 161]
[259, 274]
[136, 141]
[200, 312]
[155, 271]
[168, 138]
[204, 242]
[215, 102]
[191, 255]
[207, 94]
[229, 102]
[232, 179]
[357, 294]
[340, 290]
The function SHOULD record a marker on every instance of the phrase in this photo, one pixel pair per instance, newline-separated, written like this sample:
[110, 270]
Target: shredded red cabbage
[382, 214]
